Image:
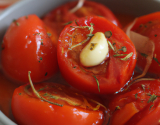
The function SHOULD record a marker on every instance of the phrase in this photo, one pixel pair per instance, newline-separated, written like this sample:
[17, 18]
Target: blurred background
[6, 3]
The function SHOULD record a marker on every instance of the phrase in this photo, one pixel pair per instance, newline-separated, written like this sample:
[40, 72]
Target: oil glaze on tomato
[28, 46]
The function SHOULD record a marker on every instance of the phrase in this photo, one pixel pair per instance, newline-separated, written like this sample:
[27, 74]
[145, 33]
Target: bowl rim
[4, 120]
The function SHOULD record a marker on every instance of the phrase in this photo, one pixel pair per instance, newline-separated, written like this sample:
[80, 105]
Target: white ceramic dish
[40, 7]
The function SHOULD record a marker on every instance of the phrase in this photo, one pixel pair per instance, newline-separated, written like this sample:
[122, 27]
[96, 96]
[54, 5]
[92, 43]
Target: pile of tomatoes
[110, 72]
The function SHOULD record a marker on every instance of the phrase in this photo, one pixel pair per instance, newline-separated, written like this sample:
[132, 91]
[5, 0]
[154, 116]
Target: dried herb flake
[143, 87]
[124, 49]
[15, 21]
[151, 107]
[136, 95]
[108, 34]
[97, 82]
[68, 23]
[152, 98]
[49, 34]
[144, 55]
[46, 73]
[156, 60]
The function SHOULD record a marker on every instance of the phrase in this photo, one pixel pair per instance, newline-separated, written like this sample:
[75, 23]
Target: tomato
[71, 108]
[137, 105]
[107, 77]
[148, 25]
[28, 46]
[61, 15]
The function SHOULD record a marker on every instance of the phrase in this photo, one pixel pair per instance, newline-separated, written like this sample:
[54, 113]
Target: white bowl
[41, 7]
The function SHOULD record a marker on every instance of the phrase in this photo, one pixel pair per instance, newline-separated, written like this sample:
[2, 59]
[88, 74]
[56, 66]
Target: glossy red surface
[28, 47]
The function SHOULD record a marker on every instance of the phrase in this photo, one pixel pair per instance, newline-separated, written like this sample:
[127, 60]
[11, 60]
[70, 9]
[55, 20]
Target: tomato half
[148, 25]
[71, 108]
[28, 46]
[61, 15]
[112, 73]
[138, 105]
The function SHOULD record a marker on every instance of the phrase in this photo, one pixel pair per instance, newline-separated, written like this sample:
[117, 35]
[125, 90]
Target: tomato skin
[148, 25]
[147, 116]
[61, 15]
[146, 113]
[24, 51]
[117, 72]
[29, 110]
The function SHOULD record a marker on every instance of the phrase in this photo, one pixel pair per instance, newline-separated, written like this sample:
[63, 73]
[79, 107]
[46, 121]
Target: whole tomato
[112, 73]
[58, 17]
[28, 46]
[139, 104]
[59, 105]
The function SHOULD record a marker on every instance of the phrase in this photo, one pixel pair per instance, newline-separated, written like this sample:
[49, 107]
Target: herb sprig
[90, 28]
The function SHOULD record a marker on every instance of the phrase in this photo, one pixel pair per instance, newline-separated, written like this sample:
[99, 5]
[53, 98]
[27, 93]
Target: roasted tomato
[56, 104]
[27, 45]
[139, 104]
[145, 34]
[94, 62]
[58, 17]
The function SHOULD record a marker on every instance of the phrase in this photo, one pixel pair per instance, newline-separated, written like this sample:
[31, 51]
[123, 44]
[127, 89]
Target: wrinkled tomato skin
[29, 110]
[24, 49]
[117, 73]
[148, 25]
[61, 15]
[147, 113]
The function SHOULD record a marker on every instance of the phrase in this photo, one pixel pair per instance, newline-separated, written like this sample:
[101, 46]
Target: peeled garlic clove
[95, 51]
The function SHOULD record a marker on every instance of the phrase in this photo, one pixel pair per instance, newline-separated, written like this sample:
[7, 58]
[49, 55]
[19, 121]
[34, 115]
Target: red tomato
[61, 15]
[111, 74]
[27, 46]
[148, 25]
[138, 105]
[74, 108]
